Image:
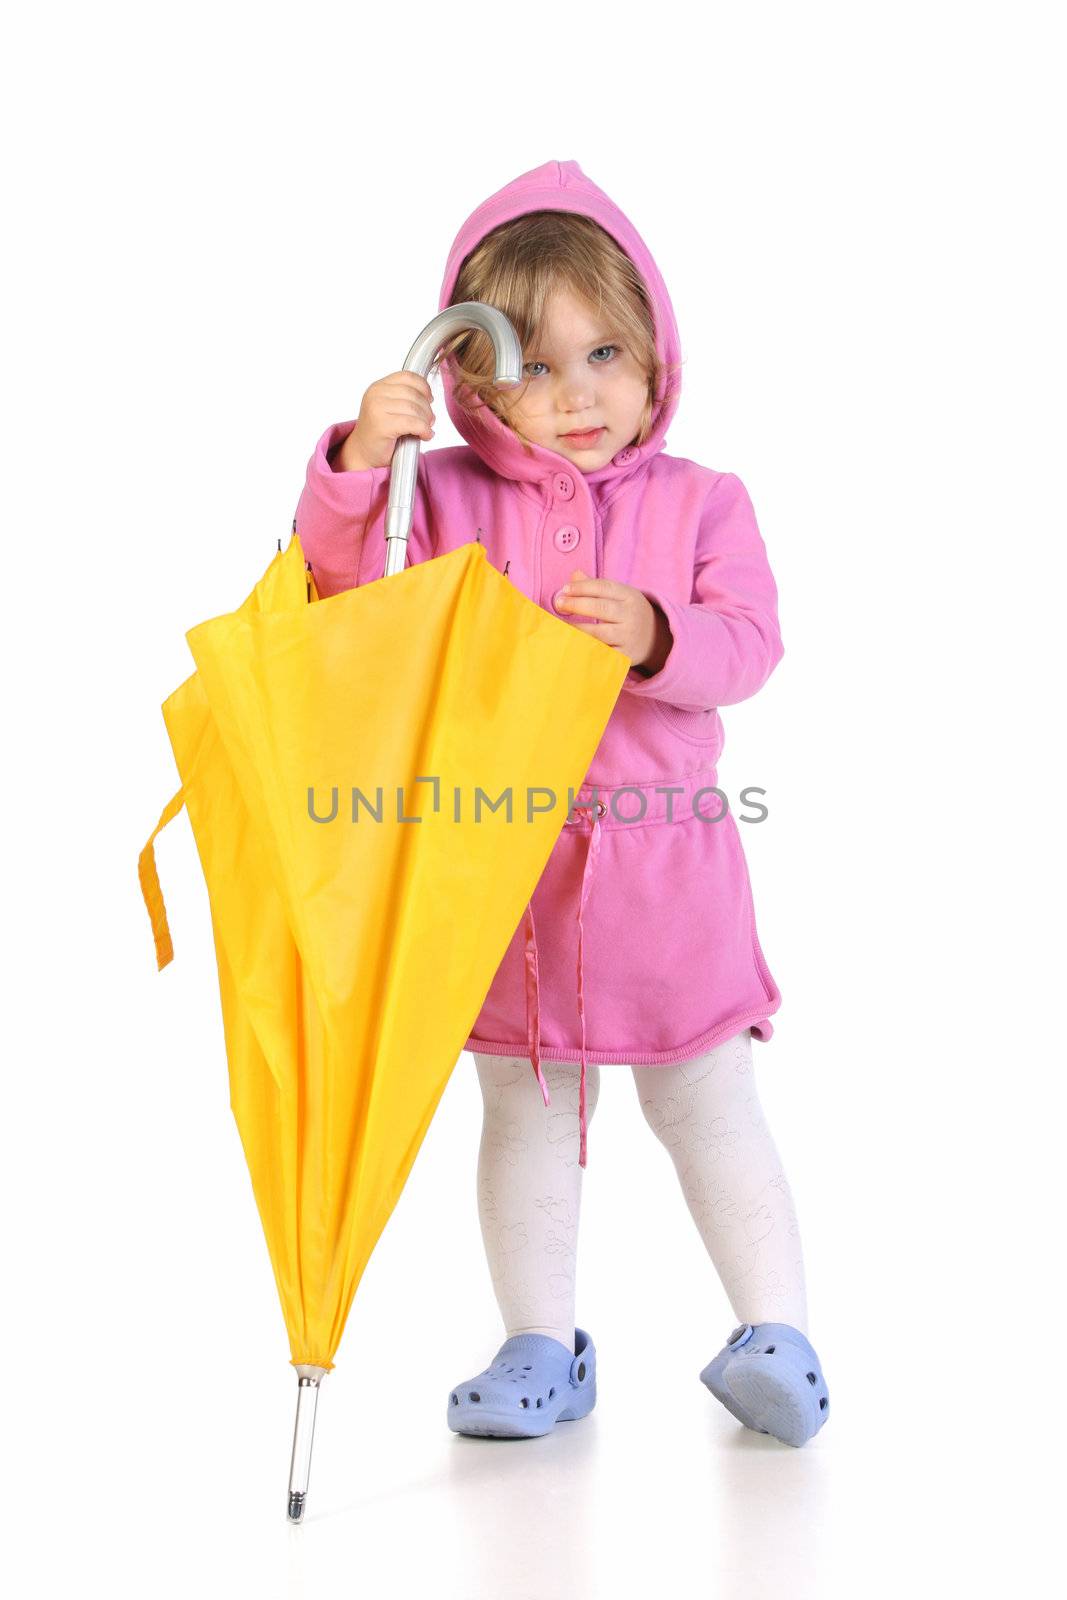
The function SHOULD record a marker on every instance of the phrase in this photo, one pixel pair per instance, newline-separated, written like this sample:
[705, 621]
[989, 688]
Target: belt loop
[584, 805]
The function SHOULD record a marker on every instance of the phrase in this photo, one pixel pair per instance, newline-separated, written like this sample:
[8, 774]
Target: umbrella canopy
[346, 765]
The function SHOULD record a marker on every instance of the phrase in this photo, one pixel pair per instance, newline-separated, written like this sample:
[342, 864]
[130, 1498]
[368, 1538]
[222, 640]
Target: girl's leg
[529, 1189]
[708, 1115]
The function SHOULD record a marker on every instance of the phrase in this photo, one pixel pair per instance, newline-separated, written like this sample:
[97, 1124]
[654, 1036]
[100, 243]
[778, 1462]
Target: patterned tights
[706, 1112]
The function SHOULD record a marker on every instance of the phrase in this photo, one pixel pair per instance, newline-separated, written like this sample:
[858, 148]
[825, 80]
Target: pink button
[563, 486]
[567, 538]
[624, 457]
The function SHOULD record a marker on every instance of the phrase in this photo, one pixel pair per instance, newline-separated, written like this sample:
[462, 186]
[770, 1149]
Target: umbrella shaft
[307, 1395]
[396, 546]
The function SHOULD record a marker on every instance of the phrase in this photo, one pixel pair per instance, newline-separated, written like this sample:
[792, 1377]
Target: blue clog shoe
[768, 1376]
[532, 1383]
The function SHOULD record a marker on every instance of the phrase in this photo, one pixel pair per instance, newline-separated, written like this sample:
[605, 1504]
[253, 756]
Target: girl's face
[579, 378]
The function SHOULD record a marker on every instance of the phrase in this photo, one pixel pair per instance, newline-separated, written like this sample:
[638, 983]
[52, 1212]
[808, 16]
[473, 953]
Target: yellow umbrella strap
[153, 894]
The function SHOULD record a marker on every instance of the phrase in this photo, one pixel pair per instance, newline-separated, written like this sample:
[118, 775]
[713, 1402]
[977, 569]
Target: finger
[417, 419]
[606, 632]
[409, 408]
[401, 395]
[598, 586]
[406, 397]
[411, 380]
[610, 632]
[582, 605]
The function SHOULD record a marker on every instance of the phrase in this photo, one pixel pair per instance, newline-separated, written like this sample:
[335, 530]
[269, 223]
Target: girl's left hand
[628, 620]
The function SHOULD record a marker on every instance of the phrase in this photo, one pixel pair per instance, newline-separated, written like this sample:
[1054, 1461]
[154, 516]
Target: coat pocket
[697, 727]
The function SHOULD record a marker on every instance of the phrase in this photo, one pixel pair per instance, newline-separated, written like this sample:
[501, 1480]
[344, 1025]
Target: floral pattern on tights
[707, 1114]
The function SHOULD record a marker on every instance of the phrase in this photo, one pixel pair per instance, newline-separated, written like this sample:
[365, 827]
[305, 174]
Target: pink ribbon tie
[587, 879]
[533, 1004]
[533, 991]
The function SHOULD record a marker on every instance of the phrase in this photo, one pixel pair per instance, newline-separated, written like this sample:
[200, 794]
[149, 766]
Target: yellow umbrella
[367, 779]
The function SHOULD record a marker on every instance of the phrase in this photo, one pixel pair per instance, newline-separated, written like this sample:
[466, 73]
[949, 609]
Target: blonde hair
[517, 267]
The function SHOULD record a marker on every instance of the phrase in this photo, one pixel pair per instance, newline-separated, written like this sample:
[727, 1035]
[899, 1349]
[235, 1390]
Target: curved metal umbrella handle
[507, 353]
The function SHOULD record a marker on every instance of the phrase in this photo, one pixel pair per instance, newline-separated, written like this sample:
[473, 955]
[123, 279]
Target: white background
[222, 223]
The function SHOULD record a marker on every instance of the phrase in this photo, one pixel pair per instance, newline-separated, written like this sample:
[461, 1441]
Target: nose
[577, 394]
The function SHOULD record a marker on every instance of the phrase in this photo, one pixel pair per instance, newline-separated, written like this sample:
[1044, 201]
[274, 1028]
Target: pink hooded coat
[640, 941]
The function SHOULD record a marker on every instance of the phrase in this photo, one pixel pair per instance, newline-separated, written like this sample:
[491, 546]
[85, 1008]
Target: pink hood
[558, 186]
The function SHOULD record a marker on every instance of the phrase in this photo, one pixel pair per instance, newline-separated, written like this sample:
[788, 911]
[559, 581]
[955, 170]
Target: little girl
[648, 953]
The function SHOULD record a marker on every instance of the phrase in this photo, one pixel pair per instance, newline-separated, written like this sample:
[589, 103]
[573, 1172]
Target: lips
[588, 436]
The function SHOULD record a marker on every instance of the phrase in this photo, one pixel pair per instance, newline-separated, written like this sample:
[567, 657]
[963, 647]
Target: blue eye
[599, 348]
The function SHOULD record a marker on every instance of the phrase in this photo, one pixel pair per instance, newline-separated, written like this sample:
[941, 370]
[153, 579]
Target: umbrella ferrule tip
[296, 1507]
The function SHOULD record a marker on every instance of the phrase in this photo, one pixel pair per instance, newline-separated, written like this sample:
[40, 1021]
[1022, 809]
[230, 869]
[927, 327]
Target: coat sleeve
[726, 642]
[340, 519]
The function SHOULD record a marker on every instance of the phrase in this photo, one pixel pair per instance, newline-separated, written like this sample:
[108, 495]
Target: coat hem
[758, 1022]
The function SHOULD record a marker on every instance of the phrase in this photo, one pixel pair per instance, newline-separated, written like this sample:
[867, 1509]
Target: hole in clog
[581, 1371]
[524, 1402]
[525, 1369]
[475, 1395]
[455, 1399]
[822, 1403]
[551, 1392]
[538, 1402]
[812, 1378]
[769, 1350]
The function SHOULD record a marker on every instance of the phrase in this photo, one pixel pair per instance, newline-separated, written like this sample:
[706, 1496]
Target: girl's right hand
[393, 406]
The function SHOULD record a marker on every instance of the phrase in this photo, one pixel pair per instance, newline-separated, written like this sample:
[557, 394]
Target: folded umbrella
[368, 778]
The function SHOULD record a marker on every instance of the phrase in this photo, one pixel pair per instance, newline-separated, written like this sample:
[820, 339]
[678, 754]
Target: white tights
[707, 1114]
